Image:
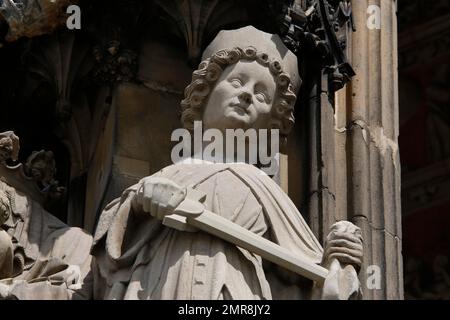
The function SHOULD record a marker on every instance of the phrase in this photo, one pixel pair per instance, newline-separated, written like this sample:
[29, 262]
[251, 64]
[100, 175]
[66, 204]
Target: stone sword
[186, 216]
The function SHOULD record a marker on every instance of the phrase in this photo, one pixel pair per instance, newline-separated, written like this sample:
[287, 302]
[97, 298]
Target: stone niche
[136, 140]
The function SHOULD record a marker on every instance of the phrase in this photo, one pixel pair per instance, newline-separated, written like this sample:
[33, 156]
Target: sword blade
[229, 231]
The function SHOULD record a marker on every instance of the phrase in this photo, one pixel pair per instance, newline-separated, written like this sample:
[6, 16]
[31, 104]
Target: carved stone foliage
[30, 18]
[320, 27]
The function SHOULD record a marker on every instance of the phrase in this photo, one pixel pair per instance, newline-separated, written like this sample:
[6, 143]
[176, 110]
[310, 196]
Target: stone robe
[50, 259]
[136, 257]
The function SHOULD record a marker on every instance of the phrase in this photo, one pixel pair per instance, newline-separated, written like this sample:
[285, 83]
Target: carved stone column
[353, 163]
[369, 110]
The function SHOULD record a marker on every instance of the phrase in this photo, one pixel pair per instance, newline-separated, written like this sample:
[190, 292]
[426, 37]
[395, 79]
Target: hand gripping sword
[191, 213]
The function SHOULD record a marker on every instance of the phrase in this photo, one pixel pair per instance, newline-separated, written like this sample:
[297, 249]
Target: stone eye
[260, 97]
[236, 83]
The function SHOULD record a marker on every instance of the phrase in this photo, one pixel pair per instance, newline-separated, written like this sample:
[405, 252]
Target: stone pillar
[321, 202]
[354, 165]
[369, 109]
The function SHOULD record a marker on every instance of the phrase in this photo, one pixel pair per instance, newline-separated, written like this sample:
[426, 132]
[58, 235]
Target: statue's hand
[344, 243]
[159, 196]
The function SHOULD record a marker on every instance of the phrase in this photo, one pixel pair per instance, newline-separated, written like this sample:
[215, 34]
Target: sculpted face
[241, 99]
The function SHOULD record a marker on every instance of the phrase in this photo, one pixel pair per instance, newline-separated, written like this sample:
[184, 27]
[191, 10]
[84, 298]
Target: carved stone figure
[40, 257]
[8, 146]
[248, 79]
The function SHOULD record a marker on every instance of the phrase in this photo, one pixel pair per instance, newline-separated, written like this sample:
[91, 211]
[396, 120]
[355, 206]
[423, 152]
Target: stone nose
[245, 97]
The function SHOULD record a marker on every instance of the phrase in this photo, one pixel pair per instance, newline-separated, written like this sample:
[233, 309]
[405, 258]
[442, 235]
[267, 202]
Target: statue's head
[9, 146]
[248, 79]
[41, 166]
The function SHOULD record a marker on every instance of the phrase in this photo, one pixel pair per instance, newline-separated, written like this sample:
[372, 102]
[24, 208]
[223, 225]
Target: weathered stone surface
[348, 169]
[40, 256]
[354, 150]
[374, 166]
[383, 244]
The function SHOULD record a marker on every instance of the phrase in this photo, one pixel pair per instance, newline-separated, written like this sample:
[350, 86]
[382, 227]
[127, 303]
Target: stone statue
[248, 80]
[40, 257]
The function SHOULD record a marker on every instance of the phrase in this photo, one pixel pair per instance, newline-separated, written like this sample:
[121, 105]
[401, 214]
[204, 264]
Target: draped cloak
[136, 257]
[50, 259]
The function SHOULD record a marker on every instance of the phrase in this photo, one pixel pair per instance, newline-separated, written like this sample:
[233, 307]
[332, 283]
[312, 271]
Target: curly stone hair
[6, 202]
[209, 71]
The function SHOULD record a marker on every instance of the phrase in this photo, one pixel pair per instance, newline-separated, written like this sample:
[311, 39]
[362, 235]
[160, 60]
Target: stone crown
[271, 44]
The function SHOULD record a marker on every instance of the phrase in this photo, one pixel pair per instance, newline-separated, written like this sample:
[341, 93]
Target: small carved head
[5, 149]
[41, 166]
[9, 146]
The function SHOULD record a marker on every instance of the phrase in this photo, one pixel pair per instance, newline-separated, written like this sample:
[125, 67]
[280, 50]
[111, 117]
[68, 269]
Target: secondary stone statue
[40, 257]
[247, 80]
